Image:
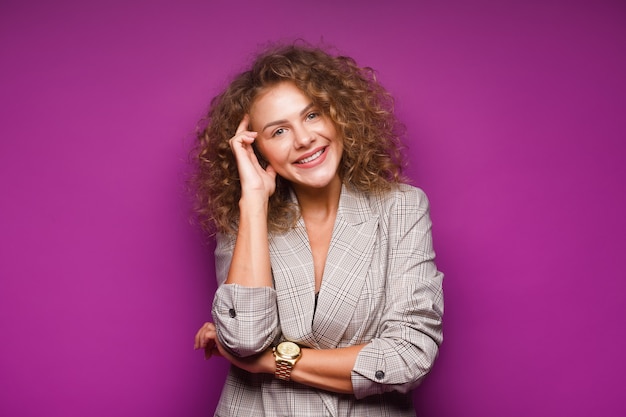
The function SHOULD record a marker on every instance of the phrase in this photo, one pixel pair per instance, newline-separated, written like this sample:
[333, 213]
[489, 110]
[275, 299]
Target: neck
[319, 203]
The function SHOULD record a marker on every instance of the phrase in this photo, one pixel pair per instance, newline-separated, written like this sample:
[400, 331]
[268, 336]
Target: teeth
[312, 157]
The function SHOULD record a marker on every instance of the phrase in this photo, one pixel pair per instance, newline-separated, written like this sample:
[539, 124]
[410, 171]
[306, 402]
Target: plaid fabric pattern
[380, 287]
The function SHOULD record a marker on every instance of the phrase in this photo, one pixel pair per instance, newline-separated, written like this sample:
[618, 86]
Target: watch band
[283, 370]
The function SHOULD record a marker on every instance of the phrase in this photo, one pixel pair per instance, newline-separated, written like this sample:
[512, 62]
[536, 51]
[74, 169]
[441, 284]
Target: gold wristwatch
[286, 355]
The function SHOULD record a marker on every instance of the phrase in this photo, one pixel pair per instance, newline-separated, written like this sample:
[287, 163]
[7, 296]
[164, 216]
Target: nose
[303, 137]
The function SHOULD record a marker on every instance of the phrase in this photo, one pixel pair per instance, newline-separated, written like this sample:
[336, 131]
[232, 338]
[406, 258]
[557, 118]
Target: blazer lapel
[349, 258]
[292, 270]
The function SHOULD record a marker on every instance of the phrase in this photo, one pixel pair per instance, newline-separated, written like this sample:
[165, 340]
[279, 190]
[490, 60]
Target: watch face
[288, 349]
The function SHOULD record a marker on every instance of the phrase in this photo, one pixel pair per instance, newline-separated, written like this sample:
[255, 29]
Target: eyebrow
[280, 122]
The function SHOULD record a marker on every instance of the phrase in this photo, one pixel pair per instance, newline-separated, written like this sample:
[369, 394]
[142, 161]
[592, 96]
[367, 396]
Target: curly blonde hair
[360, 108]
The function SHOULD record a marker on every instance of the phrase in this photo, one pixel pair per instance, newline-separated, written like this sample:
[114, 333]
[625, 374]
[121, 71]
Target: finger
[211, 349]
[197, 342]
[202, 335]
[241, 143]
[208, 349]
[209, 327]
[243, 125]
[242, 138]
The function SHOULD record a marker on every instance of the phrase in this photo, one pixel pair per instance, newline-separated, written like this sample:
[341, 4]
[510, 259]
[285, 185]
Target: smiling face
[295, 138]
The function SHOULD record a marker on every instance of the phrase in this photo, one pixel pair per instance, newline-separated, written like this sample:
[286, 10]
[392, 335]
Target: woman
[329, 302]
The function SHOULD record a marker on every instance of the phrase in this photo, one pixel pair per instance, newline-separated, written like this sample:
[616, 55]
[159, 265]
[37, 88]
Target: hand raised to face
[255, 180]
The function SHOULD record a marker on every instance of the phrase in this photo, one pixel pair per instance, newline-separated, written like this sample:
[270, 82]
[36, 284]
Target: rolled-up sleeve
[411, 329]
[246, 318]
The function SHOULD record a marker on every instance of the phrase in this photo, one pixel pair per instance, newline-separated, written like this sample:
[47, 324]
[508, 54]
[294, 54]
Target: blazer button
[232, 313]
[379, 375]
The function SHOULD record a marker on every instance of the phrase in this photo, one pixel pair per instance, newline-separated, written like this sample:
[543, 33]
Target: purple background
[516, 119]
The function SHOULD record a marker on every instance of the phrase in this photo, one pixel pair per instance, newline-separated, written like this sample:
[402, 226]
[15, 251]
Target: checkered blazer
[380, 287]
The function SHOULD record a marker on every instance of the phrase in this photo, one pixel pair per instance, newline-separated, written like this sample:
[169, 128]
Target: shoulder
[403, 198]
[399, 208]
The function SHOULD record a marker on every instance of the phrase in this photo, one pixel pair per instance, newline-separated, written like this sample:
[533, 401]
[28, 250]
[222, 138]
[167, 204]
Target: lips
[311, 157]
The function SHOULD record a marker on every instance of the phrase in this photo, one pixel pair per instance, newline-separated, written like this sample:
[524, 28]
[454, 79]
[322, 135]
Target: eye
[312, 116]
[278, 132]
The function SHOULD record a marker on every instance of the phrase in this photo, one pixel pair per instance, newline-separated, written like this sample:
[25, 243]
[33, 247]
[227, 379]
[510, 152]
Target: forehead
[279, 94]
[280, 101]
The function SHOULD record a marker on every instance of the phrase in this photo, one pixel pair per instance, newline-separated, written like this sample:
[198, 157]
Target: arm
[250, 265]
[244, 308]
[410, 331]
[327, 369]
[246, 317]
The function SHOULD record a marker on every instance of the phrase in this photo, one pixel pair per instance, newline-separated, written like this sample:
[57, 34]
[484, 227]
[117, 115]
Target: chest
[348, 276]
[319, 236]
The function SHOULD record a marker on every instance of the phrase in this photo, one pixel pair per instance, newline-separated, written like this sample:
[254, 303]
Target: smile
[312, 157]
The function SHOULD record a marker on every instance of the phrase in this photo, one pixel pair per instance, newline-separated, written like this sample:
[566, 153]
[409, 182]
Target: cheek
[271, 153]
[331, 131]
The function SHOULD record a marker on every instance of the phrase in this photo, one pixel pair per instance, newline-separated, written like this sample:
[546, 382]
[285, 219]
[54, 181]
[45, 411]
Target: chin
[319, 185]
